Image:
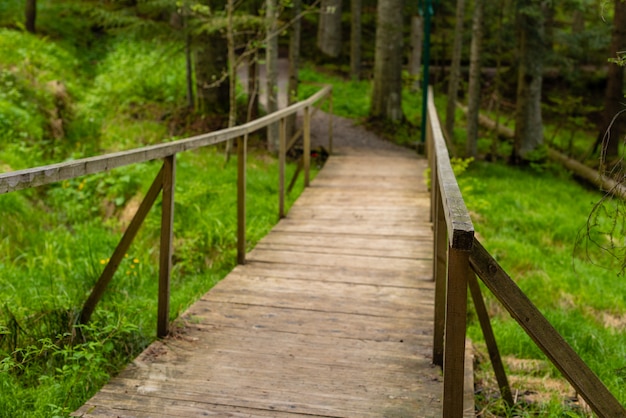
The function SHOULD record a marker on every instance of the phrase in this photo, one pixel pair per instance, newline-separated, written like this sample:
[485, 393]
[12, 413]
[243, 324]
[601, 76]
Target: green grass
[532, 222]
[56, 239]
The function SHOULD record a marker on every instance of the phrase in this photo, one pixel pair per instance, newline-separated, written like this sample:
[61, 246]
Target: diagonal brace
[121, 249]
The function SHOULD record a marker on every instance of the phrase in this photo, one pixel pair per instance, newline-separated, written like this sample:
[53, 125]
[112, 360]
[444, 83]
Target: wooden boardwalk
[330, 317]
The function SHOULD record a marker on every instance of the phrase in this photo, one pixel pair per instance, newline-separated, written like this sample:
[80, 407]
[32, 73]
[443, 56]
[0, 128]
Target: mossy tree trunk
[356, 7]
[271, 63]
[387, 92]
[294, 61]
[531, 50]
[329, 28]
[30, 15]
[611, 129]
[474, 79]
[455, 69]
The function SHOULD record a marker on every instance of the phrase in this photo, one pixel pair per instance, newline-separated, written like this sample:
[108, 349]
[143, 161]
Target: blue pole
[427, 13]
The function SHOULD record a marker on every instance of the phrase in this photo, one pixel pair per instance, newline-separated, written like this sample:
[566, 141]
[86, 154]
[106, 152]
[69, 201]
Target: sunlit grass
[533, 223]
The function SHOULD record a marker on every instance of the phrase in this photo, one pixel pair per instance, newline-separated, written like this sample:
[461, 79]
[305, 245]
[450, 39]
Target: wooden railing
[458, 259]
[165, 183]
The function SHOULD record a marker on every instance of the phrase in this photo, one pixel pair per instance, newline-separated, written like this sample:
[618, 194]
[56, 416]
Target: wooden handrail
[39, 176]
[454, 236]
[457, 257]
[165, 183]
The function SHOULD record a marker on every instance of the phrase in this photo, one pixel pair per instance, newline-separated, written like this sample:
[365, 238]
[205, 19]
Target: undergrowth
[533, 224]
[55, 240]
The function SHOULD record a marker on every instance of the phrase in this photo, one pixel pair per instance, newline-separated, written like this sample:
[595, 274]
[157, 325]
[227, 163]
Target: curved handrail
[165, 183]
[39, 176]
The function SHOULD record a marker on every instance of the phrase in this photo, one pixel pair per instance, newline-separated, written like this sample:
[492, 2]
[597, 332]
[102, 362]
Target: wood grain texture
[331, 316]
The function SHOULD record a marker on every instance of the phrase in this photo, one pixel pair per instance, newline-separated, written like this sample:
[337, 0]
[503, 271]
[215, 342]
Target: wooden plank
[321, 296]
[211, 314]
[347, 274]
[381, 228]
[580, 376]
[319, 259]
[404, 247]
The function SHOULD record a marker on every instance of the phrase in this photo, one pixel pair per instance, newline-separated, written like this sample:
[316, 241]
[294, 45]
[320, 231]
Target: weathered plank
[331, 316]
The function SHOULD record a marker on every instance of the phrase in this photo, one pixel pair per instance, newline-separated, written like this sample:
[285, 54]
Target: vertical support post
[165, 254]
[456, 317]
[282, 151]
[330, 122]
[242, 145]
[440, 256]
[306, 155]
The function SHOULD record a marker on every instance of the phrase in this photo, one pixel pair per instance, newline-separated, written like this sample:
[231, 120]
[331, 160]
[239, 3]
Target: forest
[522, 87]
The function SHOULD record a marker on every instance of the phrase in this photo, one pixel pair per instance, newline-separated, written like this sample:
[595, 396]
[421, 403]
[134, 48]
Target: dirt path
[347, 133]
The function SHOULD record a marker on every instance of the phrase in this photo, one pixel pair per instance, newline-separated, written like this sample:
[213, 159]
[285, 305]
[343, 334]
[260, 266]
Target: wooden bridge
[355, 304]
[331, 316]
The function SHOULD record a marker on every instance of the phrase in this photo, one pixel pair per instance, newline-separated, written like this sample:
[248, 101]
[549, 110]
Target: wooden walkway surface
[330, 317]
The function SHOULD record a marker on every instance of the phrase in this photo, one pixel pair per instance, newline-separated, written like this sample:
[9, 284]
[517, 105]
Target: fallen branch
[606, 184]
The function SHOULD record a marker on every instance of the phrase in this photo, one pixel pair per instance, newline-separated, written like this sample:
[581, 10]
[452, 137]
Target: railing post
[242, 145]
[307, 146]
[330, 122]
[456, 318]
[440, 256]
[167, 235]
[282, 145]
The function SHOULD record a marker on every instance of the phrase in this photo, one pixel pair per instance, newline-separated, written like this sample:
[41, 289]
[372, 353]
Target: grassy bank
[60, 103]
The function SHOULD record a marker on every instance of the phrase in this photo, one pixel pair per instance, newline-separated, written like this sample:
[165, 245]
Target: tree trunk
[294, 61]
[31, 15]
[578, 21]
[232, 74]
[474, 79]
[455, 69]
[387, 91]
[253, 87]
[415, 61]
[271, 67]
[211, 74]
[329, 28]
[356, 7]
[528, 121]
[606, 184]
[610, 134]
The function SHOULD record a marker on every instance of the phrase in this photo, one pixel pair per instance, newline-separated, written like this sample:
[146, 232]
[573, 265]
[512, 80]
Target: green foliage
[36, 79]
[350, 98]
[532, 225]
[55, 240]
